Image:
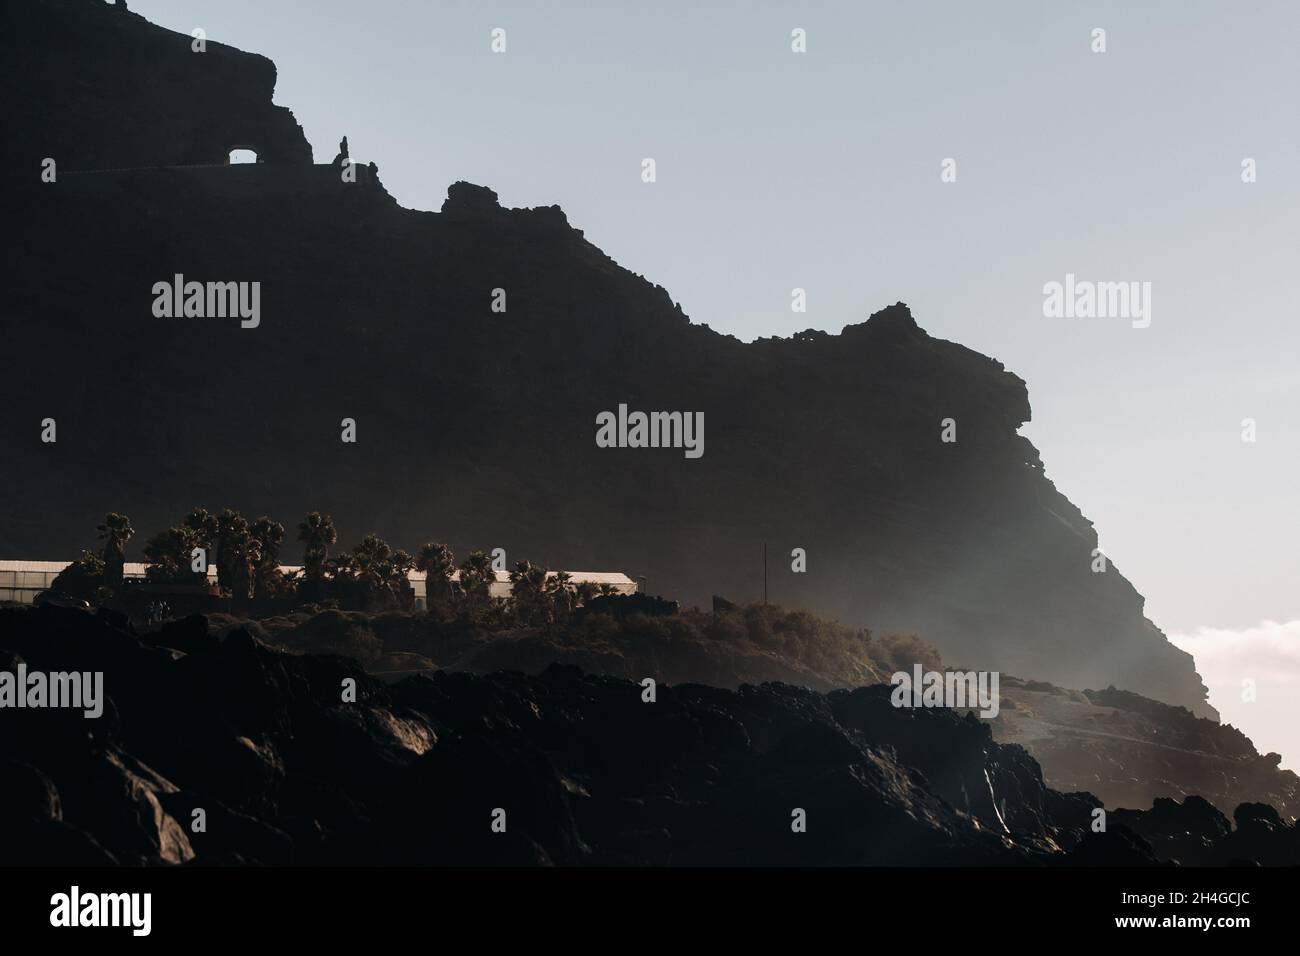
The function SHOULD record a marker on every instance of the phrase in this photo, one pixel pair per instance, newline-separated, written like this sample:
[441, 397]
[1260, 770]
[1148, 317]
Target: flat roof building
[21, 581]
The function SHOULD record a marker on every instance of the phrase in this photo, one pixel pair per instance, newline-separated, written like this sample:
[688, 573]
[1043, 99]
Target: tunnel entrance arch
[240, 154]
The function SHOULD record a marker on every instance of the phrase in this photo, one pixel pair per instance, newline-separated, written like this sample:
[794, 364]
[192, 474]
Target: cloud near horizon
[1267, 653]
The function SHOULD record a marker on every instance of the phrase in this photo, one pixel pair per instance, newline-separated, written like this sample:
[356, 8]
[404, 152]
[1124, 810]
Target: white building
[21, 581]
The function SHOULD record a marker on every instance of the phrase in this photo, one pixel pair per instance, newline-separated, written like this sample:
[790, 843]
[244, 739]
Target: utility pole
[764, 572]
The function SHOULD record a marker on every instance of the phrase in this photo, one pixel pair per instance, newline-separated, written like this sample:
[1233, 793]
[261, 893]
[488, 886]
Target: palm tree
[395, 573]
[169, 556]
[372, 560]
[561, 590]
[437, 563]
[531, 592]
[318, 535]
[266, 574]
[204, 527]
[116, 532]
[521, 586]
[377, 571]
[476, 576]
[583, 592]
[238, 553]
[341, 567]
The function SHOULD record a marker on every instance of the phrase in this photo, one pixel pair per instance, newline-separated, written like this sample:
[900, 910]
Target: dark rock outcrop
[580, 768]
[1125, 749]
[1194, 833]
[584, 769]
[85, 60]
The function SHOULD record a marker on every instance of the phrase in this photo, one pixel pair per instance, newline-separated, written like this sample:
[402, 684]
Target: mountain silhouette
[478, 426]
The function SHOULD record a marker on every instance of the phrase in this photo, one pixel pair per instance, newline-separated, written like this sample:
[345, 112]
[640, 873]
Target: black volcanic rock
[229, 836]
[584, 770]
[1125, 749]
[1195, 833]
[40, 842]
[1188, 832]
[468, 201]
[477, 427]
[1118, 846]
[28, 794]
[1262, 836]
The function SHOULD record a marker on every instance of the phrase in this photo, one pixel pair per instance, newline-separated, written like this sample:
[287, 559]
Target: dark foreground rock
[1125, 749]
[581, 769]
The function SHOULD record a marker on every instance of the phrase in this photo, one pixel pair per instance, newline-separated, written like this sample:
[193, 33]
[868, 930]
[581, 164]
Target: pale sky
[821, 170]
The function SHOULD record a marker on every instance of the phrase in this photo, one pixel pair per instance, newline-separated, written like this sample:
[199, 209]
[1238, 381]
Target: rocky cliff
[478, 427]
[94, 86]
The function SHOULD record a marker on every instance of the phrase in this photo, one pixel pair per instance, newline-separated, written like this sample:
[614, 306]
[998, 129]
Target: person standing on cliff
[342, 157]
